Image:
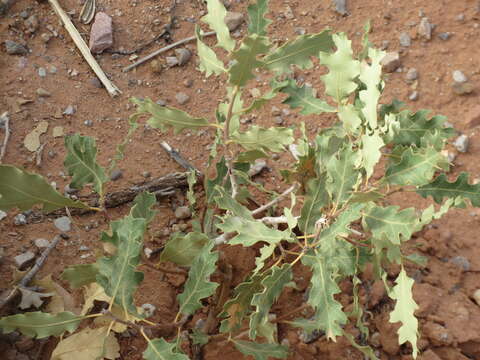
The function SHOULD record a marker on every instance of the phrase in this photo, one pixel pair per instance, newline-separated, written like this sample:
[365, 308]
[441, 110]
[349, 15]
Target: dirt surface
[449, 317]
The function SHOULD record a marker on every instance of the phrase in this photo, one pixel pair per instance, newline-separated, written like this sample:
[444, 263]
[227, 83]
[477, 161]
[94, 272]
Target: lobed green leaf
[24, 190]
[257, 138]
[209, 63]
[215, 18]
[182, 249]
[302, 97]
[159, 349]
[258, 24]
[80, 275]
[261, 351]
[389, 223]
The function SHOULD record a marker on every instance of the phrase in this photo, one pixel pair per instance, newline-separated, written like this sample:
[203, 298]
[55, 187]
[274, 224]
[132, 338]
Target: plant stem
[276, 200]
[226, 138]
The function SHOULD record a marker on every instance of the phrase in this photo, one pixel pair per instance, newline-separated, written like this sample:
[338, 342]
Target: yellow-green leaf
[215, 18]
[209, 63]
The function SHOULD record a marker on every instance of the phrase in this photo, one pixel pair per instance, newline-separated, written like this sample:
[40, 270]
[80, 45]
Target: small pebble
[64, 224]
[52, 69]
[461, 262]
[391, 62]
[461, 143]
[14, 48]
[43, 93]
[413, 96]
[183, 56]
[146, 174]
[41, 243]
[3, 215]
[411, 75]
[23, 259]
[459, 77]
[156, 67]
[46, 37]
[462, 88]
[83, 248]
[183, 212]
[69, 110]
[148, 310]
[88, 123]
[278, 120]
[182, 98]
[171, 61]
[405, 39]
[95, 82]
[161, 102]
[233, 20]
[444, 36]
[116, 174]
[341, 7]
[425, 29]
[20, 220]
[476, 296]
[257, 167]
[42, 72]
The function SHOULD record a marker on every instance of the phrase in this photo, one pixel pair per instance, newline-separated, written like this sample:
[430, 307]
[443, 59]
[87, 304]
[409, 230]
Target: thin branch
[276, 200]
[175, 155]
[33, 271]
[7, 136]
[356, 243]
[84, 50]
[162, 50]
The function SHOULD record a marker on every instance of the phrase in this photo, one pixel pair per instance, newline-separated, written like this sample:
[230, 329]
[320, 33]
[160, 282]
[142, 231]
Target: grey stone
[461, 262]
[257, 167]
[462, 88]
[233, 20]
[41, 243]
[405, 39]
[425, 29]
[42, 72]
[461, 143]
[14, 48]
[411, 75]
[183, 212]
[459, 77]
[116, 174]
[148, 310]
[88, 123]
[69, 110]
[146, 174]
[23, 259]
[31, 24]
[300, 31]
[414, 96]
[161, 102]
[3, 215]
[391, 62]
[64, 224]
[183, 55]
[171, 61]
[444, 36]
[341, 7]
[460, 17]
[95, 82]
[20, 219]
[83, 248]
[278, 120]
[182, 98]
[52, 69]
[43, 93]
[101, 33]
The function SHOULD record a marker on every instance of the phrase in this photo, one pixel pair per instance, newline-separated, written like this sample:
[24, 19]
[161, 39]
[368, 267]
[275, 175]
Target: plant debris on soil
[45, 84]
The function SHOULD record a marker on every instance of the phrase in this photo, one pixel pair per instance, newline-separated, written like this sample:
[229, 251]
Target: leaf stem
[283, 195]
[226, 140]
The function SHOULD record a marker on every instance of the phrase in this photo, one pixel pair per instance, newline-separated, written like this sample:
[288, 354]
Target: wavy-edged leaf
[327, 144]
[159, 349]
[371, 154]
[40, 325]
[215, 18]
[389, 223]
[273, 285]
[316, 197]
[343, 175]
[329, 316]
[88, 344]
[340, 228]
[164, 117]
[441, 188]
[211, 183]
[302, 97]
[257, 138]
[404, 310]
[258, 24]
[246, 59]
[80, 275]
[416, 167]
[117, 273]
[257, 103]
[198, 285]
[209, 62]
[239, 305]
[182, 249]
[81, 162]
[298, 52]
[261, 351]
[414, 126]
[226, 202]
[343, 69]
[142, 206]
[371, 77]
[24, 190]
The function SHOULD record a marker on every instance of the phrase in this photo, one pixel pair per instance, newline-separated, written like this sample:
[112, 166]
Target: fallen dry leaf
[88, 344]
[32, 298]
[32, 140]
[61, 299]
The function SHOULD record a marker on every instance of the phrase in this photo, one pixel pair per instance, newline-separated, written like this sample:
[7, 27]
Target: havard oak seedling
[334, 216]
